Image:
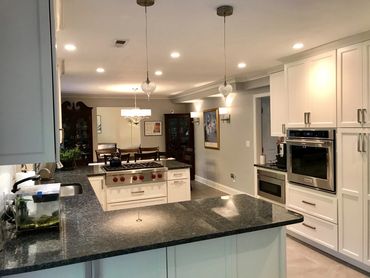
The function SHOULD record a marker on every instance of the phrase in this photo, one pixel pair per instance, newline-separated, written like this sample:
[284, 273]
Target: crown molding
[98, 95]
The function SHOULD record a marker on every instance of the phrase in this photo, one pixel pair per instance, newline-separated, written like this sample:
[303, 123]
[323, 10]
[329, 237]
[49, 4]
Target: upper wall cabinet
[27, 121]
[353, 85]
[278, 104]
[311, 90]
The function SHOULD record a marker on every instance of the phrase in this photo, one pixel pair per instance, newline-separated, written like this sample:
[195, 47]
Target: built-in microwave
[271, 185]
[311, 158]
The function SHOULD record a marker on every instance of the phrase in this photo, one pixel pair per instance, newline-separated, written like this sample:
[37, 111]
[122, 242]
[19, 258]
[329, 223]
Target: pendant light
[135, 115]
[147, 86]
[225, 89]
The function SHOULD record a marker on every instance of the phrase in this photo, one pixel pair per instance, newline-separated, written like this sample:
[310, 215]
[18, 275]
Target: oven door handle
[310, 143]
[271, 180]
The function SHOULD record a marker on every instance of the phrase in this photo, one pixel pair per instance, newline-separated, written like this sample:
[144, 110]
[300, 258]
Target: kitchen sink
[70, 189]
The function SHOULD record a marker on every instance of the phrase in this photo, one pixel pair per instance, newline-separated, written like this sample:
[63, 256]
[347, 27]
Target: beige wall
[116, 129]
[159, 108]
[233, 156]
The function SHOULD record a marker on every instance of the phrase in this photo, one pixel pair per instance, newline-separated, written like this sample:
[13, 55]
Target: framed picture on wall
[98, 124]
[153, 128]
[211, 129]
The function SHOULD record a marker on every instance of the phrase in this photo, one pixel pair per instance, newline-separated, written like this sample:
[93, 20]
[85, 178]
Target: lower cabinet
[81, 270]
[178, 185]
[98, 184]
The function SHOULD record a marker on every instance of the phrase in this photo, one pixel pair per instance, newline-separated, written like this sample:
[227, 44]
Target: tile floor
[302, 261]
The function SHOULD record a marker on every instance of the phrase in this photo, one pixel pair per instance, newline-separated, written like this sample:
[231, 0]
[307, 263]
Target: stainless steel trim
[363, 115]
[137, 171]
[273, 178]
[309, 226]
[331, 133]
[310, 143]
[359, 116]
[308, 203]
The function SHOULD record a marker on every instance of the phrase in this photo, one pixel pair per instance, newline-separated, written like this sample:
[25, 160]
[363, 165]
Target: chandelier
[225, 89]
[147, 86]
[135, 115]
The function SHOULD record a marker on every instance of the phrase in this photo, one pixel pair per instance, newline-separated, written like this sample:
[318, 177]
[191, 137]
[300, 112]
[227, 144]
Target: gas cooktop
[133, 166]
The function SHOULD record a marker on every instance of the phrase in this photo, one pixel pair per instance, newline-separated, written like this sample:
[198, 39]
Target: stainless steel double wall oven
[311, 158]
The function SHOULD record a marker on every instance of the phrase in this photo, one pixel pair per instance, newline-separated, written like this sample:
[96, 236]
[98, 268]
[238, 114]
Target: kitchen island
[207, 237]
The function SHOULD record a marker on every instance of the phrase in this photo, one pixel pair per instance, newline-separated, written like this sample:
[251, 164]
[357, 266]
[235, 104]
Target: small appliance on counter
[281, 156]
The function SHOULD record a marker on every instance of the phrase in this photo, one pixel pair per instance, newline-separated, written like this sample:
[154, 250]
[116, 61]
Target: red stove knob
[134, 178]
[160, 176]
[115, 179]
[122, 179]
[153, 176]
[141, 177]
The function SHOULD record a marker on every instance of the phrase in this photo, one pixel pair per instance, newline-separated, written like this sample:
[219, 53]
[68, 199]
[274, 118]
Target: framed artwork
[211, 129]
[153, 128]
[98, 124]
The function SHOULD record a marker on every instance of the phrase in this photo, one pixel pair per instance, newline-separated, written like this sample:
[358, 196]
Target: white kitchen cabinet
[178, 185]
[352, 179]
[98, 184]
[74, 270]
[147, 264]
[353, 85]
[311, 89]
[278, 104]
[27, 80]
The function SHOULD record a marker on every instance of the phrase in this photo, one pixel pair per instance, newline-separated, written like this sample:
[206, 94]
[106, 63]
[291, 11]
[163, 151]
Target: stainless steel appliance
[135, 173]
[271, 185]
[311, 158]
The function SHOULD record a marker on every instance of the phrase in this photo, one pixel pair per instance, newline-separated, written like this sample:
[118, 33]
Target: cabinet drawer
[178, 190]
[137, 203]
[178, 174]
[313, 203]
[136, 192]
[315, 229]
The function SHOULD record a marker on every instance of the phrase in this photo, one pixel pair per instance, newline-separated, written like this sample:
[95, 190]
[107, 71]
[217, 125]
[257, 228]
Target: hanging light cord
[146, 46]
[224, 50]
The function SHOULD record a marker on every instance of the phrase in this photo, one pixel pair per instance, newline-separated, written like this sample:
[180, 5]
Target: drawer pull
[308, 203]
[359, 116]
[309, 226]
[177, 174]
[138, 192]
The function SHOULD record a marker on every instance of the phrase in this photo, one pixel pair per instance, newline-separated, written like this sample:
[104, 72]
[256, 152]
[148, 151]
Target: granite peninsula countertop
[271, 166]
[88, 233]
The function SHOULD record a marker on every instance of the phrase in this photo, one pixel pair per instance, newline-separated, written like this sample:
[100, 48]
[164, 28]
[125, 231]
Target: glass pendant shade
[225, 89]
[148, 87]
[135, 115]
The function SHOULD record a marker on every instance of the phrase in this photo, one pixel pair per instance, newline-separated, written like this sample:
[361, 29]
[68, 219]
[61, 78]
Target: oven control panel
[135, 178]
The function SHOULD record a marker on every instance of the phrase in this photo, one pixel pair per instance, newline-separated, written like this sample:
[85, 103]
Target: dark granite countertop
[88, 233]
[174, 164]
[271, 166]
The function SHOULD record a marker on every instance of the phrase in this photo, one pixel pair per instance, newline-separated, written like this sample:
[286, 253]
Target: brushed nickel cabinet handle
[283, 129]
[364, 111]
[359, 116]
[363, 142]
[305, 117]
[309, 118]
[309, 226]
[308, 203]
[359, 142]
[138, 192]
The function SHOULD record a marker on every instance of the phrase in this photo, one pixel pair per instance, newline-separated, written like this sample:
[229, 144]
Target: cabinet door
[147, 264]
[297, 90]
[322, 90]
[350, 175]
[366, 199]
[366, 97]
[26, 82]
[98, 184]
[178, 190]
[278, 104]
[349, 85]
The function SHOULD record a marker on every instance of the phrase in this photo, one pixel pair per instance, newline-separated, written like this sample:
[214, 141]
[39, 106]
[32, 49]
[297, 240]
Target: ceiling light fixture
[100, 70]
[135, 115]
[147, 86]
[225, 89]
[175, 55]
[298, 45]
[70, 47]
[158, 72]
[242, 65]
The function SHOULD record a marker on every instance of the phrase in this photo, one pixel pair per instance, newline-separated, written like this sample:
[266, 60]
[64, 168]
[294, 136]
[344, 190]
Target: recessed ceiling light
[242, 65]
[298, 45]
[158, 72]
[175, 54]
[70, 47]
[100, 70]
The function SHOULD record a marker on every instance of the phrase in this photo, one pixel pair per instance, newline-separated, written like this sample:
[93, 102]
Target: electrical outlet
[247, 143]
[232, 176]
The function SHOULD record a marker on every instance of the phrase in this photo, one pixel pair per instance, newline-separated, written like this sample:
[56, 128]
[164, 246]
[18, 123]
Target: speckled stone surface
[88, 233]
[173, 164]
[271, 166]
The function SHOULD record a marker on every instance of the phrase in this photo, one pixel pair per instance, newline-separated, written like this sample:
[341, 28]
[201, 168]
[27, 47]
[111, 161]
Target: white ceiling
[259, 33]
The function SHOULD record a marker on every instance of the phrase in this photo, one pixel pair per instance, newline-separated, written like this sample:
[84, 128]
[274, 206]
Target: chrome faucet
[33, 178]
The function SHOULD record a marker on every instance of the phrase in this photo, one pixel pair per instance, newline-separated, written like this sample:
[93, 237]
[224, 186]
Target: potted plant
[68, 158]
